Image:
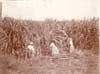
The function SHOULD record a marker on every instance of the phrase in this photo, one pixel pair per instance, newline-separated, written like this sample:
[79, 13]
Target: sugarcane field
[61, 47]
[49, 46]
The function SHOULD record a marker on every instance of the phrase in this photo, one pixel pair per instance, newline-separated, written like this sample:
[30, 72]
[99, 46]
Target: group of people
[52, 47]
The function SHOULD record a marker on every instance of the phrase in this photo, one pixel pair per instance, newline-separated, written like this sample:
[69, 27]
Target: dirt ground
[71, 63]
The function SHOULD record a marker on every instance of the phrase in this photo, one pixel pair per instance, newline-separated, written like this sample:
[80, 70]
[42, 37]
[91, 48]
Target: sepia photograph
[49, 37]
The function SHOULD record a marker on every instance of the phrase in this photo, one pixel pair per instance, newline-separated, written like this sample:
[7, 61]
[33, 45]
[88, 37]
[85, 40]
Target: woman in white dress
[71, 45]
[54, 49]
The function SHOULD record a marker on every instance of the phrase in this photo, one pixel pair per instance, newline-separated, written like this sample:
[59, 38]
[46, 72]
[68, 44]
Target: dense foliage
[16, 34]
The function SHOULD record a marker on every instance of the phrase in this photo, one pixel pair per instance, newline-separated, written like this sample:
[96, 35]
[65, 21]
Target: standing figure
[71, 45]
[44, 47]
[31, 48]
[54, 49]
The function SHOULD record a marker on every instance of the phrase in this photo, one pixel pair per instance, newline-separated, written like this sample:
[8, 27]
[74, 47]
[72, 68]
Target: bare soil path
[63, 64]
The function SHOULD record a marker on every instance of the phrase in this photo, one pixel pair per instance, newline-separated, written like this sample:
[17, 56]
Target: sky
[56, 9]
